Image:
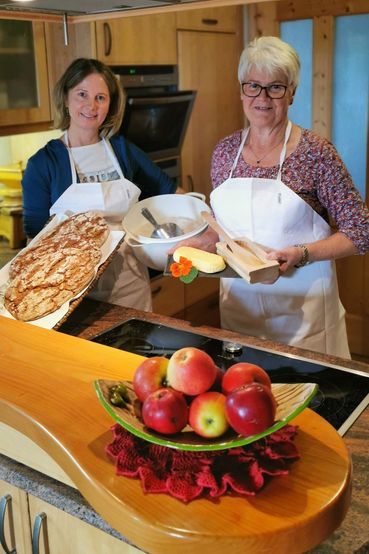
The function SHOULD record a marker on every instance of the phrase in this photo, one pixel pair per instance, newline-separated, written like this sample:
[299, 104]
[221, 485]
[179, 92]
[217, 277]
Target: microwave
[157, 123]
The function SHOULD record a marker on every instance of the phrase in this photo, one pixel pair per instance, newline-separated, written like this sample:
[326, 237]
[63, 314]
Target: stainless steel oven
[156, 113]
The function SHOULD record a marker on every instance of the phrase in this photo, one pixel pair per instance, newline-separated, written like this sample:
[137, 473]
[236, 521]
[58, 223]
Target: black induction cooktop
[343, 393]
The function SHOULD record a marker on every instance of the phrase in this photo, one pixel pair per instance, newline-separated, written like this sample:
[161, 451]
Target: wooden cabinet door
[62, 533]
[17, 531]
[210, 19]
[167, 296]
[24, 94]
[202, 302]
[208, 63]
[149, 39]
[81, 44]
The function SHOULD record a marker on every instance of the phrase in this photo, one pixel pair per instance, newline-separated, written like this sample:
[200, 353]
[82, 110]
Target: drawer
[167, 295]
[210, 19]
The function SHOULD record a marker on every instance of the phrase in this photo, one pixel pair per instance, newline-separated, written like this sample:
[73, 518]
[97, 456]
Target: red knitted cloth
[189, 475]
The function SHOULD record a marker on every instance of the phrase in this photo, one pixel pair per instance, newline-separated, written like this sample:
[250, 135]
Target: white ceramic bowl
[183, 209]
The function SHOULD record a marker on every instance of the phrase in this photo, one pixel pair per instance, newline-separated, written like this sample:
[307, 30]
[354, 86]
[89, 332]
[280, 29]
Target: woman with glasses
[278, 185]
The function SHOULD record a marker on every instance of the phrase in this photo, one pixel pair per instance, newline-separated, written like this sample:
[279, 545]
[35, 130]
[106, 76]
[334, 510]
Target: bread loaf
[203, 261]
[56, 268]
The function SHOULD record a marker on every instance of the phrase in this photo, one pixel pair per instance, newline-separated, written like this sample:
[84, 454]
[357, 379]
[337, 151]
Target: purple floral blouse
[315, 172]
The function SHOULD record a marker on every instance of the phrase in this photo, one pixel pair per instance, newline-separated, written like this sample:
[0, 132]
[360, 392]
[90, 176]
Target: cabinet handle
[6, 501]
[107, 39]
[39, 524]
[208, 21]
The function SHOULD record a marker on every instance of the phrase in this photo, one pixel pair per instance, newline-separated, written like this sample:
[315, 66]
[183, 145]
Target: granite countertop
[91, 318]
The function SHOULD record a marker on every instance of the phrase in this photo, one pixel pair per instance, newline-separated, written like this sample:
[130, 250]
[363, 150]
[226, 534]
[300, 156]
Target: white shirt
[93, 165]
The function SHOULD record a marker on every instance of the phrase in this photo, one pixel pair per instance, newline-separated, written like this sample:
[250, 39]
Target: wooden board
[46, 388]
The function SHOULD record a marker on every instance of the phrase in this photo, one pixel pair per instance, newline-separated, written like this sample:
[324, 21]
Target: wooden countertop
[46, 386]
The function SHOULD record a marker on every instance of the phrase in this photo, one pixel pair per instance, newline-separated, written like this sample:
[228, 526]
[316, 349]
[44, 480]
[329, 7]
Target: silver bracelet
[305, 255]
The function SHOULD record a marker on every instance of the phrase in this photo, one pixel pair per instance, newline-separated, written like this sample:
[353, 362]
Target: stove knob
[233, 348]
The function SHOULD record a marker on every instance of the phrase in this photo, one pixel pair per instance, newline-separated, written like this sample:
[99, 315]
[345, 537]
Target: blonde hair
[270, 54]
[78, 70]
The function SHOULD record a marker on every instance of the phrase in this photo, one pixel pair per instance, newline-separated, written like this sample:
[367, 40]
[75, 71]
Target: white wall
[18, 148]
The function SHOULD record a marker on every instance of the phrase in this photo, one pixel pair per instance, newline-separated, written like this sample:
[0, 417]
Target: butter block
[203, 261]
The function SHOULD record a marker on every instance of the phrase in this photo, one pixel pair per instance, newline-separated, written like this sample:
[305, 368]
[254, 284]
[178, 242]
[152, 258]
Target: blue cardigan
[48, 175]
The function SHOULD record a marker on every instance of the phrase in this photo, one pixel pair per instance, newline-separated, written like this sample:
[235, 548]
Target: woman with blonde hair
[89, 109]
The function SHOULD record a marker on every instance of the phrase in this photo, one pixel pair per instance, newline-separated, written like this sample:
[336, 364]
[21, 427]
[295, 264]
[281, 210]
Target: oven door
[157, 123]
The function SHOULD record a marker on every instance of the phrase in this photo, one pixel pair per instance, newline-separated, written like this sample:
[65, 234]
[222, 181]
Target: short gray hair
[270, 54]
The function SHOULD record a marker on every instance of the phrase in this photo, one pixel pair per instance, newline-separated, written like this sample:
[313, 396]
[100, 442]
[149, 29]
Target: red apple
[165, 410]
[244, 373]
[207, 415]
[150, 376]
[250, 409]
[191, 371]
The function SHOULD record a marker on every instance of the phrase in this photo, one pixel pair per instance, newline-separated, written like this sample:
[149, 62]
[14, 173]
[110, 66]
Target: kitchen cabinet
[24, 95]
[196, 302]
[15, 519]
[225, 19]
[81, 44]
[201, 299]
[33, 56]
[137, 40]
[62, 533]
[208, 63]
[59, 532]
[168, 296]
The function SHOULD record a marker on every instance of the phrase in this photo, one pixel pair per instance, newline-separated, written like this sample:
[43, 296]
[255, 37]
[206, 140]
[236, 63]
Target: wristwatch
[305, 255]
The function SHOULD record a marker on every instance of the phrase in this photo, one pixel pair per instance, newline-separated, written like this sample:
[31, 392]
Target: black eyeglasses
[274, 91]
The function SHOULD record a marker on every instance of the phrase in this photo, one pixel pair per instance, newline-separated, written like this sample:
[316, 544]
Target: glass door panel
[18, 68]
[24, 95]
[299, 34]
[351, 94]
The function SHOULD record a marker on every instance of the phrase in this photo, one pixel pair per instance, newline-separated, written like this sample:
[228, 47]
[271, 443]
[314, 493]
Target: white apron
[302, 308]
[126, 280]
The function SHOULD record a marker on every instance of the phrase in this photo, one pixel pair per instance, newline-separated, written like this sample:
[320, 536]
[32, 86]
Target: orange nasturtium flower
[181, 268]
[184, 270]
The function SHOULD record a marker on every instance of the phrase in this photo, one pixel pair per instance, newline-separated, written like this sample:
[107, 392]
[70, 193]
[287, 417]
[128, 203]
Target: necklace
[258, 160]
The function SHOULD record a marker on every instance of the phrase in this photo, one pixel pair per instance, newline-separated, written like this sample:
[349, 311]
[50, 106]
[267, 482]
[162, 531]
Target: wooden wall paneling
[262, 20]
[304, 9]
[322, 75]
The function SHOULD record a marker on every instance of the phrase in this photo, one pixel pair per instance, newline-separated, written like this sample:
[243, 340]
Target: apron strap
[283, 152]
[245, 134]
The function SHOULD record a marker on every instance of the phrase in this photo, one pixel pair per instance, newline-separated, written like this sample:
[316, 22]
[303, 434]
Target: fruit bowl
[291, 400]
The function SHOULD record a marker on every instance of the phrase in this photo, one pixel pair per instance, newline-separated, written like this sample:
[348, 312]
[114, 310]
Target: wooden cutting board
[46, 392]
[247, 258]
